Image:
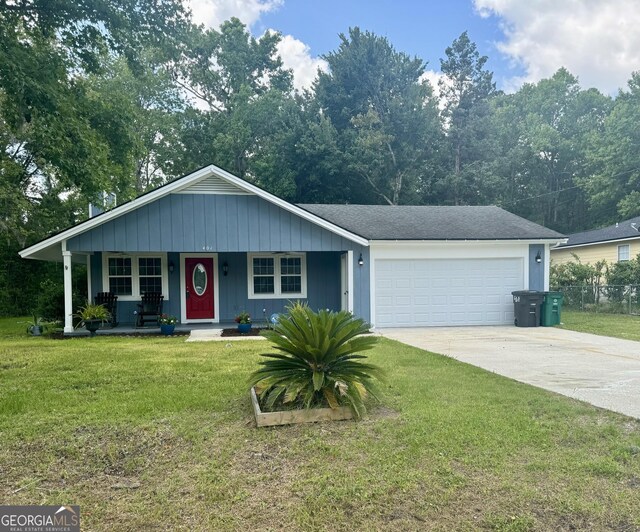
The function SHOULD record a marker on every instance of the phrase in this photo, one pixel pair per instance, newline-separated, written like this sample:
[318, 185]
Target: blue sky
[525, 40]
[422, 28]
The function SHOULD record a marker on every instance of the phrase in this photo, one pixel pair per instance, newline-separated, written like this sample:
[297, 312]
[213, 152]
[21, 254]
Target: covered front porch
[205, 289]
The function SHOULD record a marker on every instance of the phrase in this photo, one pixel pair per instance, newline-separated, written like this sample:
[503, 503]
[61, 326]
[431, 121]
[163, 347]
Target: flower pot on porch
[92, 326]
[167, 329]
[244, 328]
[35, 330]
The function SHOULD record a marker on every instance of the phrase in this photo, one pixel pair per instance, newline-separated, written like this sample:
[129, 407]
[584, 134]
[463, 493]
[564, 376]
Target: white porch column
[68, 299]
[350, 287]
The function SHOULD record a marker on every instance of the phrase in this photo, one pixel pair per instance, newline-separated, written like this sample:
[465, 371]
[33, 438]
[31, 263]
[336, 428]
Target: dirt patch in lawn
[87, 455]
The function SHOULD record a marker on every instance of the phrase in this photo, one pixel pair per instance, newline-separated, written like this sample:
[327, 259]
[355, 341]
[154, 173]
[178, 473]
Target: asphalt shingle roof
[409, 222]
[618, 231]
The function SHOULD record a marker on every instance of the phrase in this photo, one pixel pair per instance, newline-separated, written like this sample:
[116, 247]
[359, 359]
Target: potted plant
[167, 323]
[34, 327]
[93, 316]
[319, 373]
[244, 322]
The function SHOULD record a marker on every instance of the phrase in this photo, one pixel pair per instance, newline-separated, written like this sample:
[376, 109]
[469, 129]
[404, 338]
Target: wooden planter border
[290, 417]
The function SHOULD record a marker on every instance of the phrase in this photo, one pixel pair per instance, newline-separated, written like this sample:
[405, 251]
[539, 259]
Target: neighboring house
[615, 243]
[215, 245]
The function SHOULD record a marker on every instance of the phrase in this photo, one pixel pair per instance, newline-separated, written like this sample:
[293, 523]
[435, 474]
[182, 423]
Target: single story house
[615, 243]
[216, 245]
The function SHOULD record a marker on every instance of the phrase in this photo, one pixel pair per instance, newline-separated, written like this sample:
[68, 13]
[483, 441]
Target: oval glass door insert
[199, 279]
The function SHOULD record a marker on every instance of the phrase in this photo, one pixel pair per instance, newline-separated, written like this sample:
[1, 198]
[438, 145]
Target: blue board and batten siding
[209, 223]
[536, 269]
[230, 226]
[323, 286]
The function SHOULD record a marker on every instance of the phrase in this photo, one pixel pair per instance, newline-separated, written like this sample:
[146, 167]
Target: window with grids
[134, 275]
[291, 275]
[150, 274]
[120, 276]
[263, 275]
[623, 252]
[277, 276]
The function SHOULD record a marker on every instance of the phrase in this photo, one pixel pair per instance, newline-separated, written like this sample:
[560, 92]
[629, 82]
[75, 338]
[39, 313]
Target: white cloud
[596, 40]
[435, 78]
[296, 55]
[212, 13]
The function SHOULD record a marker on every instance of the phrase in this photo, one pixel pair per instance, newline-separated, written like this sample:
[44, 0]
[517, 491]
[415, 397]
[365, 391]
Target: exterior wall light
[360, 260]
[538, 258]
[225, 268]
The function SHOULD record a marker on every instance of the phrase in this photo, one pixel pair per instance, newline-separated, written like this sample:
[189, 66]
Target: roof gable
[208, 222]
[203, 181]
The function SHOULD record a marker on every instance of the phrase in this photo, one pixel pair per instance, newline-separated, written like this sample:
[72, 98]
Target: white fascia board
[599, 243]
[118, 211]
[176, 186]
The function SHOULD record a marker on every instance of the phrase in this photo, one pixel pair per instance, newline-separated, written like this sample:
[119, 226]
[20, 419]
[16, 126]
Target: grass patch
[156, 432]
[615, 325]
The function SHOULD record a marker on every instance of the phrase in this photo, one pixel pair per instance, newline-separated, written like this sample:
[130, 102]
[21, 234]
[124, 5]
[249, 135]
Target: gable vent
[212, 185]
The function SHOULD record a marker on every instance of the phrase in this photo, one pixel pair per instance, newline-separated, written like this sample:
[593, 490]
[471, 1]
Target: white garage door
[413, 293]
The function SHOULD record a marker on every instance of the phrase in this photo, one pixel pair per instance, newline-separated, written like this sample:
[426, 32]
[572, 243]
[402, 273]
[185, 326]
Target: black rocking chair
[149, 309]
[109, 301]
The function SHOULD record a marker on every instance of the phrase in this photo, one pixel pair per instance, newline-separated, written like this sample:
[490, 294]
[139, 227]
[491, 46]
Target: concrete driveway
[599, 370]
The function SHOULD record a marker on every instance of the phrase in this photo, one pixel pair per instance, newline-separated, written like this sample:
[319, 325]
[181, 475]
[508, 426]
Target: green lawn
[155, 432]
[616, 325]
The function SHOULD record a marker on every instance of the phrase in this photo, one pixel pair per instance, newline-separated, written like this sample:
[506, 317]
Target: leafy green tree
[46, 51]
[247, 95]
[466, 88]
[316, 158]
[84, 30]
[225, 67]
[63, 141]
[385, 116]
[142, 115]
[543, 133]
[613, 185]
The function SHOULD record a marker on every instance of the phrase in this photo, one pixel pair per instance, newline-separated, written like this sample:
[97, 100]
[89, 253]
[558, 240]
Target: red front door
[199, 284]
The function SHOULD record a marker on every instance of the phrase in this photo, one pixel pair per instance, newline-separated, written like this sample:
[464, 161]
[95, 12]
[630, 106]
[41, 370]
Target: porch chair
[149, 309]
[109, 301]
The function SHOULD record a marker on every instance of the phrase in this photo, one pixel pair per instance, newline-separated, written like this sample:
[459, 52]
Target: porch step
[213, 335]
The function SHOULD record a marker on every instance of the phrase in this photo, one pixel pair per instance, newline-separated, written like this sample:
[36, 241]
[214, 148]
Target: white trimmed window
[277, 275]
[623, 252]
[130, 276]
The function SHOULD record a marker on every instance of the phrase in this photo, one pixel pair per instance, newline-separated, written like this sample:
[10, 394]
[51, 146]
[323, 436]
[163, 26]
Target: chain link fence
[609, 299]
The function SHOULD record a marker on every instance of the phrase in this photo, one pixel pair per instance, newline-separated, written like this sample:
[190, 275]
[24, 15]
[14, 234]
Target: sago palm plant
[317, 363]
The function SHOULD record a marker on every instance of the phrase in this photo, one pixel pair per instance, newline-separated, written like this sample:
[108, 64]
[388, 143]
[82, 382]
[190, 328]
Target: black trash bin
[526, 307]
